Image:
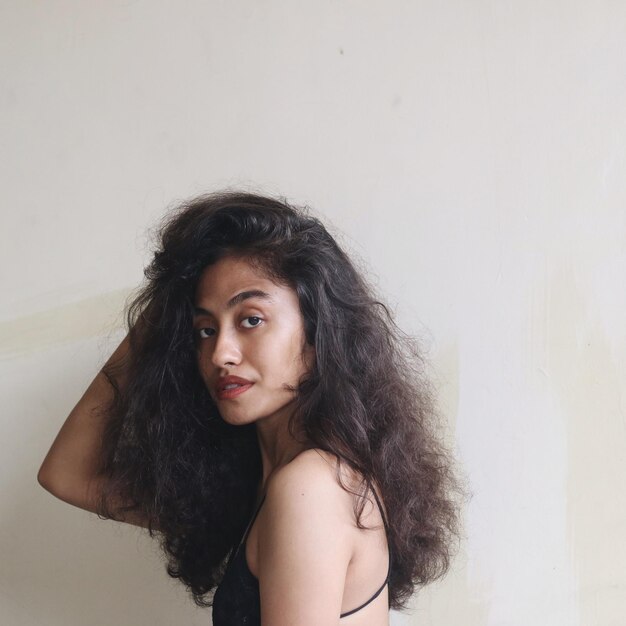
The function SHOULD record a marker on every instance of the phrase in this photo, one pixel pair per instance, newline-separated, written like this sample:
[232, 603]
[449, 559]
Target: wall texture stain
[85, 318]
[460, 594]
[588, 380]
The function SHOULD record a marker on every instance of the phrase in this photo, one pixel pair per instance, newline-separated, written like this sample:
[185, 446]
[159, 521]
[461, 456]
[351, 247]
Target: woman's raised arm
[70, 470]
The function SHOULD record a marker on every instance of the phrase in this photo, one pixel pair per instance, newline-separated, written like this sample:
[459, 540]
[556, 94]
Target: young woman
[268, 422]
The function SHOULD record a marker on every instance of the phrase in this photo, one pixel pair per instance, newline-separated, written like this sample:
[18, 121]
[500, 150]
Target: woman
[266, 419]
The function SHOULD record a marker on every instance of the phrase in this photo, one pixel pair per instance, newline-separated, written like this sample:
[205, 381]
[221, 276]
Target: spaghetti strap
[234, 552]
[251, 522]
[382, 512]
[256, 513]
[365, 603]
[385, 524]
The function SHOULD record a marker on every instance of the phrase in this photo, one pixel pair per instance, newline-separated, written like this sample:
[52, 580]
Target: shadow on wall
[61, 565]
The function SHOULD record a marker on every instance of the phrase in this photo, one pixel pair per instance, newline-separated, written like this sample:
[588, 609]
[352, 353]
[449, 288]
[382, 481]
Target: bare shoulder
[319, 465]
[308, 487]
[317, 473]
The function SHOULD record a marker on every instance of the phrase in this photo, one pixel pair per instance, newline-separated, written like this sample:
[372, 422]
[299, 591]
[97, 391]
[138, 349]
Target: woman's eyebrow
[238, 299]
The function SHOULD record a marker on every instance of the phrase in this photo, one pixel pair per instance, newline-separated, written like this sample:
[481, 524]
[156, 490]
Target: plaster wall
[472, 154]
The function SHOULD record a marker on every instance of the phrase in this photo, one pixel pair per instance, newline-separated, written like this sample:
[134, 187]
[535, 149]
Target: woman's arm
[70, 469]
[305, 544]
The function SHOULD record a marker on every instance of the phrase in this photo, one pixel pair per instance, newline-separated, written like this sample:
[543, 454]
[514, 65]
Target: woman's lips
[233, 391]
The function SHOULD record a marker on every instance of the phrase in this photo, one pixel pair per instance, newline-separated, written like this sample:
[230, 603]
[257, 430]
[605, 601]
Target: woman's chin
[237, 419]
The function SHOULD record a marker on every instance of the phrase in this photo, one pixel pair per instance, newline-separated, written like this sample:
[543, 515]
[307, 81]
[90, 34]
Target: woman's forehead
[224, 282]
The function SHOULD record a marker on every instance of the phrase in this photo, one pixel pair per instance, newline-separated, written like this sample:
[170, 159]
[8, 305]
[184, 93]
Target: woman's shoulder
[310, 482]
[317, 469]
[298, 493]
[336, 483]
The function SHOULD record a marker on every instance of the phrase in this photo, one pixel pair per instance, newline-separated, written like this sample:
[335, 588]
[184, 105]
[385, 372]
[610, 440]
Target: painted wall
[471, 153]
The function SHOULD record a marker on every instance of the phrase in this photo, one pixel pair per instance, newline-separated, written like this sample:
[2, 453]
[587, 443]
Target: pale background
[471, 152]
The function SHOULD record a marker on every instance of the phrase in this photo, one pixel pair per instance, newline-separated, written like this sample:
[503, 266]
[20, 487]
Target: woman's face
[250, 341]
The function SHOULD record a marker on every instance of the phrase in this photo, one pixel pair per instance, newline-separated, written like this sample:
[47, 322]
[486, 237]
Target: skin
[335, 566]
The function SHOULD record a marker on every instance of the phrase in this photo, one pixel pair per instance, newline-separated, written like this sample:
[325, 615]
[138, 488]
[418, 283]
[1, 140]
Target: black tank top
[237, 601]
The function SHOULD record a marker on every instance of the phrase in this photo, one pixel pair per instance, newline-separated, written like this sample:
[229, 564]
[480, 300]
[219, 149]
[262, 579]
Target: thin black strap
[382, 513]
[249, 528]
[365, 603]
[386, 525]
[245, 535]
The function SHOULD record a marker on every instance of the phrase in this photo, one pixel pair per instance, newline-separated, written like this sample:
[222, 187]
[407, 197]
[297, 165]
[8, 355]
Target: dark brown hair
[366, 400]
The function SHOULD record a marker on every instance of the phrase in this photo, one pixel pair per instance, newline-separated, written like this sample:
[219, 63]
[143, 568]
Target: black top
[237, 599]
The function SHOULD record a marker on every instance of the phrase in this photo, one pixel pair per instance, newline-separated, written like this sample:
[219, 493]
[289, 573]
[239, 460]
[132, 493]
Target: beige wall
[472, 152]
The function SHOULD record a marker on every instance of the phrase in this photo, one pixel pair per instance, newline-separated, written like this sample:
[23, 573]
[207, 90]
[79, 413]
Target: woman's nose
[227, 350]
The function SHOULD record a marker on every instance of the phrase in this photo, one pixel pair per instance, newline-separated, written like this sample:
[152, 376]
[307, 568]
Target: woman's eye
[205, 333]
[251, 322]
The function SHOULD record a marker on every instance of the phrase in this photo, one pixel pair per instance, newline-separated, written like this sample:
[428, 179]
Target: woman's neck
[278, 447]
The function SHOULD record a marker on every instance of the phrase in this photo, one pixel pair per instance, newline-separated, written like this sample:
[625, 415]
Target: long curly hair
[168, 454]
